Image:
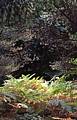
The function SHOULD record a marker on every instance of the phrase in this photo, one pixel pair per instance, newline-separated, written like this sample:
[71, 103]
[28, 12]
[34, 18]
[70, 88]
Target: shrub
[35, 89]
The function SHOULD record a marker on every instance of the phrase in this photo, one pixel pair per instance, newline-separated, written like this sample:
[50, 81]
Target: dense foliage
[31, 10]
[38, 36]
[37, 90]
[51, 26]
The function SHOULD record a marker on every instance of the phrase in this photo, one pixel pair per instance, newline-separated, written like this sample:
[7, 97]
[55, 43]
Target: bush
[35, 89]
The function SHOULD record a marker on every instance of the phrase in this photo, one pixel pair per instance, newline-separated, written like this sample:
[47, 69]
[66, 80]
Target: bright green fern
[36, 89]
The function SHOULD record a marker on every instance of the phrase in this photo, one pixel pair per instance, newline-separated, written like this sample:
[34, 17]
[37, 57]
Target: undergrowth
[73, 61]
[35, 89]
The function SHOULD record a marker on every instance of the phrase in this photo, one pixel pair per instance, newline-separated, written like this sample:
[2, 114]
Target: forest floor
[10, 61]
